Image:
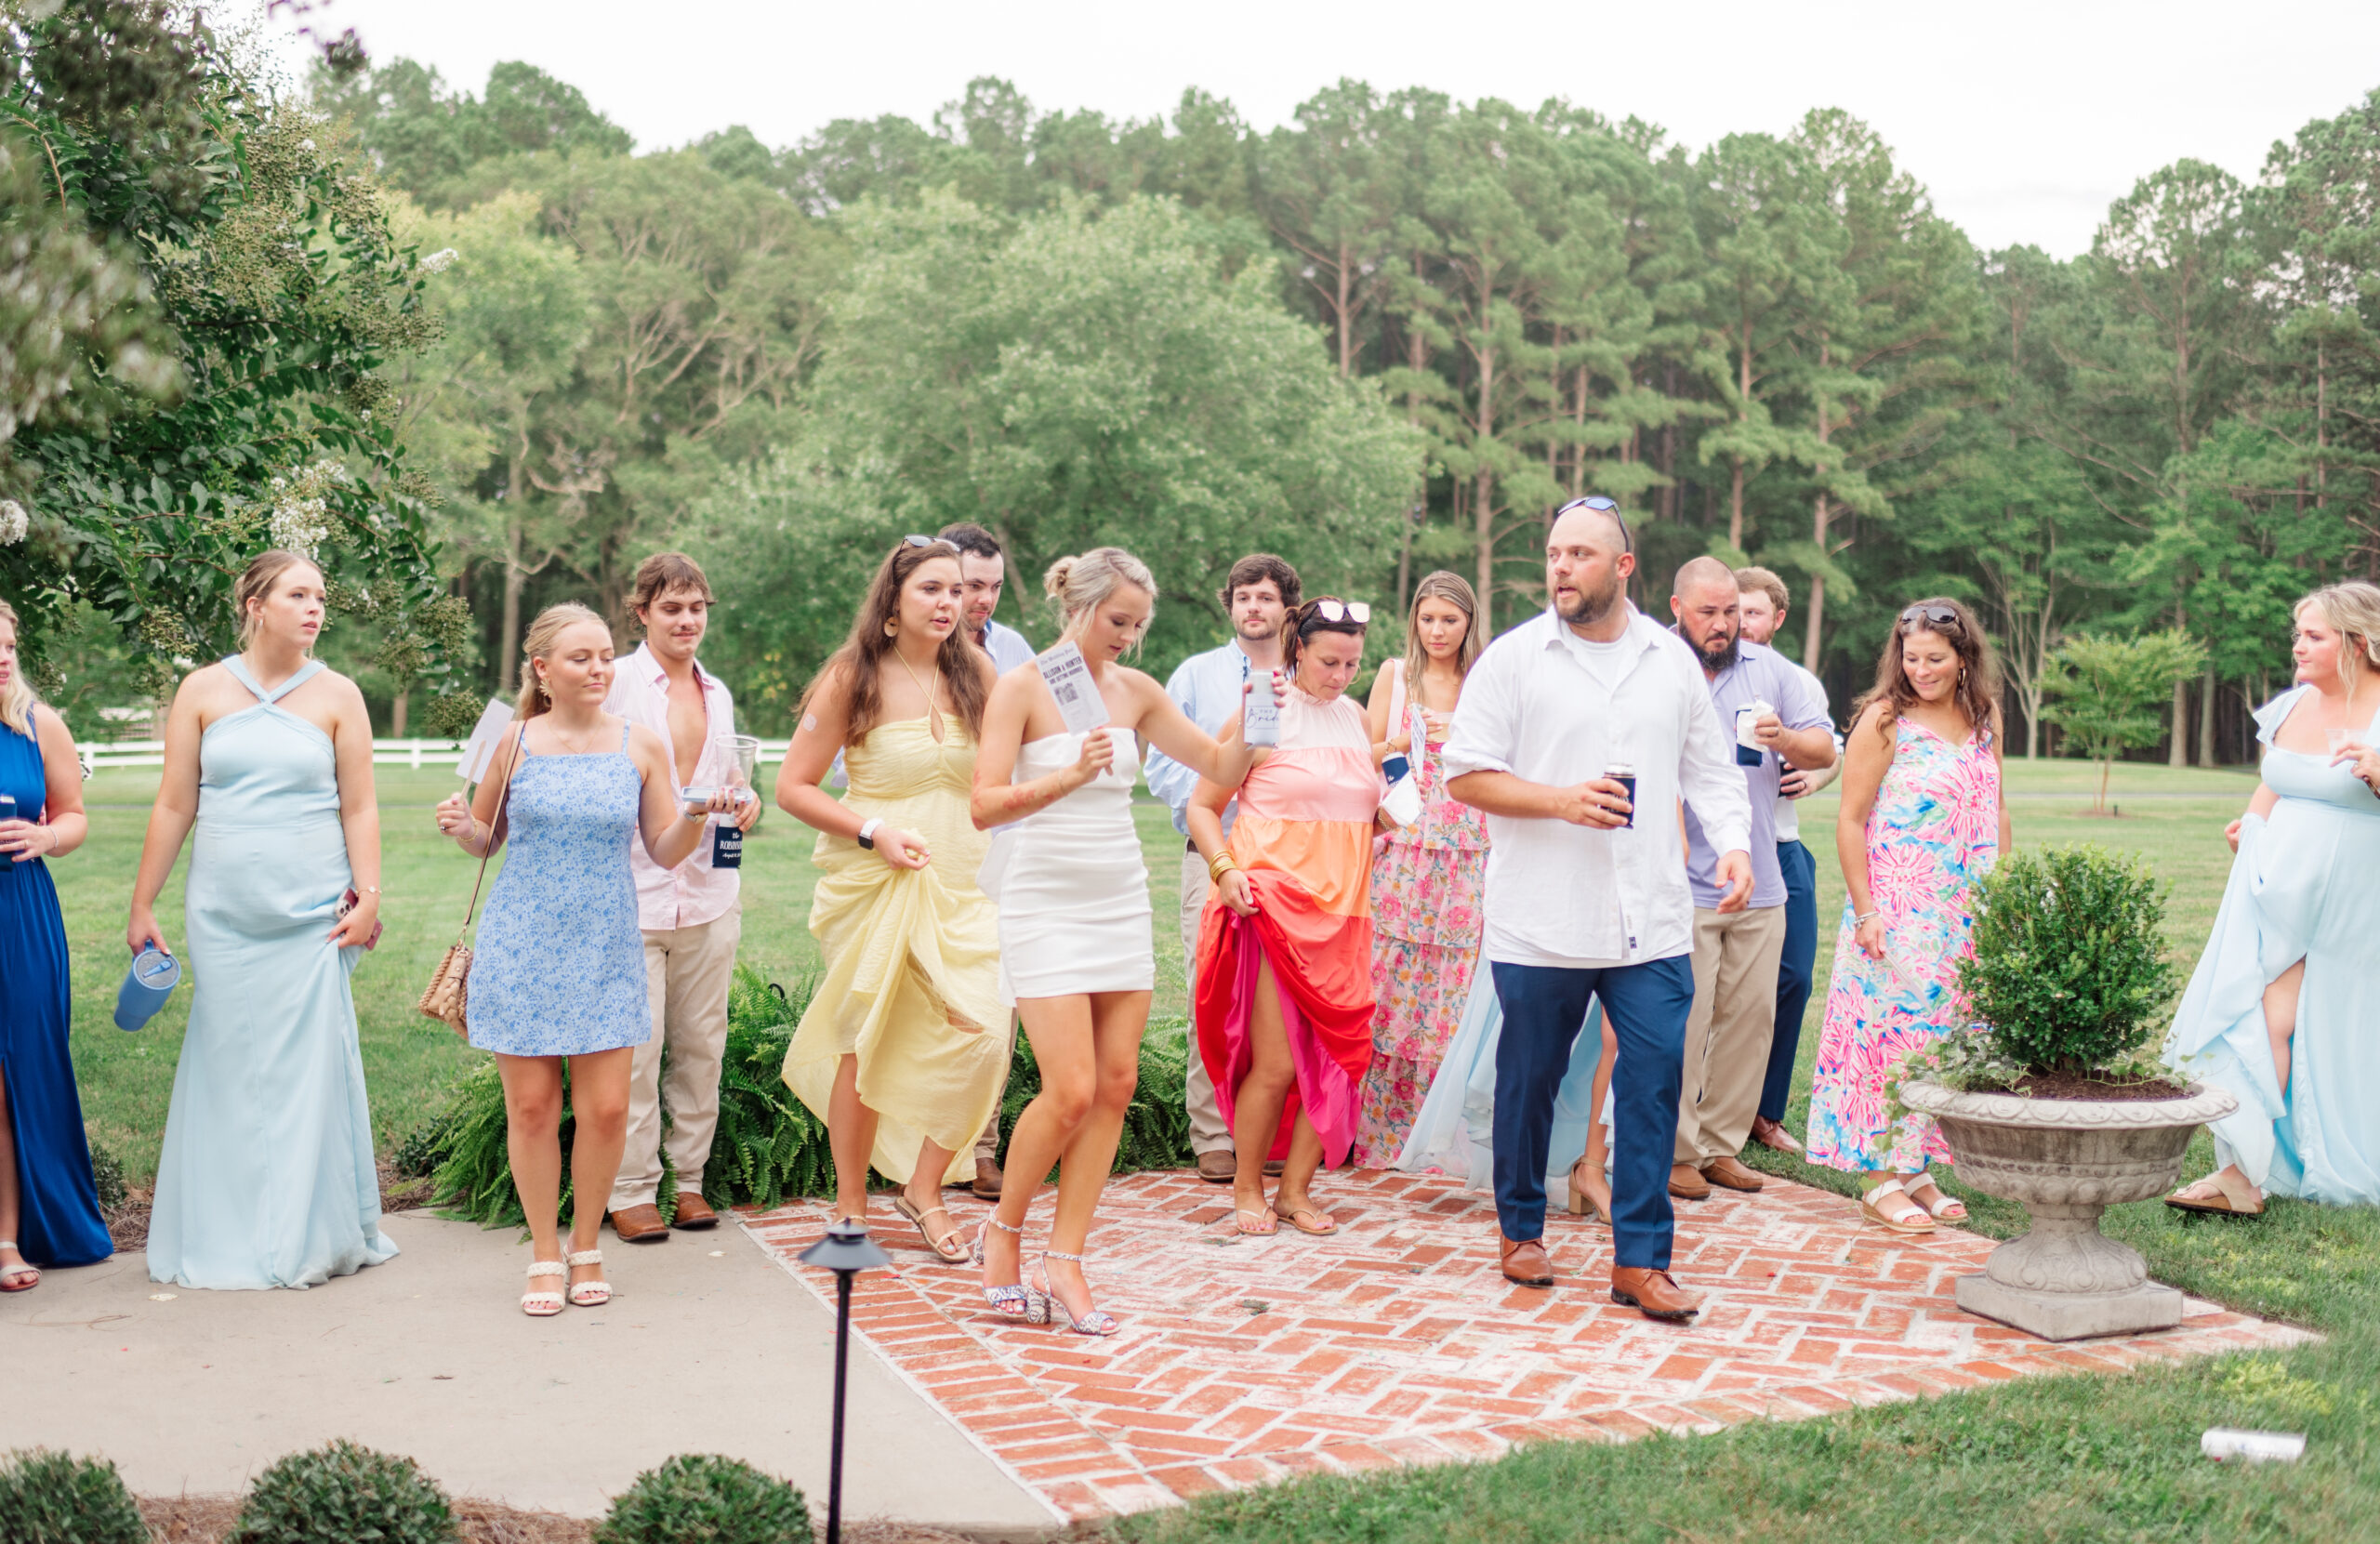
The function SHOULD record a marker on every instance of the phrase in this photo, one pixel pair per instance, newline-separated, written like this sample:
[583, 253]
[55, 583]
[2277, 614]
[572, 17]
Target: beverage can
[1624, 774]
[2226, 1442]
[1748, 747]
[1260, 720]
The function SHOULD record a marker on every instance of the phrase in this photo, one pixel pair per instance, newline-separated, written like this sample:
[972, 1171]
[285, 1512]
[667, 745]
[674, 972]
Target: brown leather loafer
[1773, 1136]
[1734, 1175]
[1655, 1294]
[1219, 1167]
[987, 1179]
[1525, 1263]
[1688, 1184]
[693, 1212]
[639, 1225]
[1274, 1167]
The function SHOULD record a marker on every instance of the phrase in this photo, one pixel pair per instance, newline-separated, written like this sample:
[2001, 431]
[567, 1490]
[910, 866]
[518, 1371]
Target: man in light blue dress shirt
[1737, 954]
[1257, 596]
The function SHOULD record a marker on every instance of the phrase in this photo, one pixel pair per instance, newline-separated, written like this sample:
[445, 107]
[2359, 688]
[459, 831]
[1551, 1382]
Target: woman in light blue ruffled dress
[1453, 1132]
[558, 970]
[267, 1177]
[2282, 1011]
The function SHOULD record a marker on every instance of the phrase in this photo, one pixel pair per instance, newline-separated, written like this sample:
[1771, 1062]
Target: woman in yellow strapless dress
[904, 1050]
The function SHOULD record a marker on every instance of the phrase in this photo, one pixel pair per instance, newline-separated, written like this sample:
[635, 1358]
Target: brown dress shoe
[1773, 1136]
[1655, 1294]
[1688, 1184]
[1219, 1167]
[1735, 1176]
[693, 1212]
[987, 1179]
[1525, 1261]
[639, 1225]
[1274, 1167]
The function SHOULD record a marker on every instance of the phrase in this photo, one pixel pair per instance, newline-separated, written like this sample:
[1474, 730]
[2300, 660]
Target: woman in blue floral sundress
[1922, 818]
[558, 972]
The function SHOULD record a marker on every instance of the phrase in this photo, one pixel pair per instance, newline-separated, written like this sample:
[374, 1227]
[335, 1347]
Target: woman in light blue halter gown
[2281, 1012]
[267, 1177]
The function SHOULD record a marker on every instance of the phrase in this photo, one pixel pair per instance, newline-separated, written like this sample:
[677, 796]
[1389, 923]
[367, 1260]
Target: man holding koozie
[1775, 719]
[690, 915]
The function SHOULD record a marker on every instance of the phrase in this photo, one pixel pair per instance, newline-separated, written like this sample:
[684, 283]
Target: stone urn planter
[2068, 1160]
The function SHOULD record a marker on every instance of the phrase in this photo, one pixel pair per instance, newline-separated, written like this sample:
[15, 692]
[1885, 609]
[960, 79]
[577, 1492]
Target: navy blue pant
[1793, 973]
[1646, 1005]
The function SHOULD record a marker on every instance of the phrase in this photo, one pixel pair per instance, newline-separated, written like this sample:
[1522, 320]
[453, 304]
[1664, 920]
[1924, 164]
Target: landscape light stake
[846, 1250]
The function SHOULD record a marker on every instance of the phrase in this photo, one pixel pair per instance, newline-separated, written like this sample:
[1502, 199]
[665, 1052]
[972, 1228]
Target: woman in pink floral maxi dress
[1425, 878]
[1924, 821]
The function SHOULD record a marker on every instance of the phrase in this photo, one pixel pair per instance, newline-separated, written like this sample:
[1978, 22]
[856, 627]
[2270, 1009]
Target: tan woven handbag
[447, 997]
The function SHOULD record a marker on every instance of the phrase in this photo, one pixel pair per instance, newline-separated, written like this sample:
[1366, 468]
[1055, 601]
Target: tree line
[1390, 334]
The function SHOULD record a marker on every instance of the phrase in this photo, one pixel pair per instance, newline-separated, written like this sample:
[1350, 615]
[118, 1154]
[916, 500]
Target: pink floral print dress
[1933, 830]
[1425, 944]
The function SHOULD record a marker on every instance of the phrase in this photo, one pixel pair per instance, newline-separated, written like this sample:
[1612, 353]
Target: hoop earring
[891, 626]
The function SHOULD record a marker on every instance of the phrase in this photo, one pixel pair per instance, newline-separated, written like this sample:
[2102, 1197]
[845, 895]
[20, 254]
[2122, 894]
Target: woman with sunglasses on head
[1284, 984]
[904, 1050]
[1922, 819]
[1425, 877]
[1072, 891]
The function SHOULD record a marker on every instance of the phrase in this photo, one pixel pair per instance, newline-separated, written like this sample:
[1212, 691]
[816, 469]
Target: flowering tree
[196, 293]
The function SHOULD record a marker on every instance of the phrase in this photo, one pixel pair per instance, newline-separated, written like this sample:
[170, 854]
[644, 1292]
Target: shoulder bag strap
[1397, 699]
[520, 743]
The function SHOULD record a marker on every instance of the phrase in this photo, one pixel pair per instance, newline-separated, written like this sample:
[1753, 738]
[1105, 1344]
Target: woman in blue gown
[2281, 1012]
[267, 1178]
[50, 1211]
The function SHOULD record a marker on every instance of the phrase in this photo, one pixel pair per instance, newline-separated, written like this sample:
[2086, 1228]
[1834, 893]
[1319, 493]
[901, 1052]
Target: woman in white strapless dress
[1075, 956]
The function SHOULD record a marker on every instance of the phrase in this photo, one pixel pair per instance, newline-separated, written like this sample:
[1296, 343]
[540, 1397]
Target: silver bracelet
[1858, 921]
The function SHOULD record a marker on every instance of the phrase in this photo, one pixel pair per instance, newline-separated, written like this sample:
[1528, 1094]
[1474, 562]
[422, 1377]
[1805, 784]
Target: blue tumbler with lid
[146, 987]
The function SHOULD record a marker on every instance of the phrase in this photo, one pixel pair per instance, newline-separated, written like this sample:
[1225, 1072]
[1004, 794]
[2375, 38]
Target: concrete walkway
[710, 1346]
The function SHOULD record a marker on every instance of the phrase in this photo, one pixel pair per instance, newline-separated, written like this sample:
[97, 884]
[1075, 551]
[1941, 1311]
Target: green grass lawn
[2060, 1459]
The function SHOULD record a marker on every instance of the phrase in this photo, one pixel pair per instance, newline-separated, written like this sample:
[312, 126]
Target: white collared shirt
[1008, 647]
[1209, 689]
[693, 893]
[1552, 708]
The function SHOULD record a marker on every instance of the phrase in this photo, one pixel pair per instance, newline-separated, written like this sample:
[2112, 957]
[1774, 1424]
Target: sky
[2023, 119]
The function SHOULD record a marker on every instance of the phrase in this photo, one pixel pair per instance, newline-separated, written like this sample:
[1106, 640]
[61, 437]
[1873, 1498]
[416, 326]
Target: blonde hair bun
[1053, 583]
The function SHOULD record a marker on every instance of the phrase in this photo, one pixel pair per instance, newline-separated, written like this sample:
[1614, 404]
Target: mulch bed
[2059, 1084]
[129, 1225]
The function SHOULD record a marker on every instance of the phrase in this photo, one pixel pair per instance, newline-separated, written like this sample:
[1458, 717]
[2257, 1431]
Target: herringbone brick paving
[1244, 1360]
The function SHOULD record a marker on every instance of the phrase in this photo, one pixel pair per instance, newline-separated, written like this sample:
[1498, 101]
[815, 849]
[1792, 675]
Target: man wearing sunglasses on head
[1586, 897]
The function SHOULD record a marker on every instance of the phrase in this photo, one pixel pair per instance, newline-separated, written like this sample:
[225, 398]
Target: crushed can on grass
[2226, 1443]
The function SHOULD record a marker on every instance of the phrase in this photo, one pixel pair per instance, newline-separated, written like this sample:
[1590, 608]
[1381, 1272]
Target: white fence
[416, 754]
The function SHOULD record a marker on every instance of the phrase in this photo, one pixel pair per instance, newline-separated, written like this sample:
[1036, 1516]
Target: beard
[1592, 605]
[1719, 654]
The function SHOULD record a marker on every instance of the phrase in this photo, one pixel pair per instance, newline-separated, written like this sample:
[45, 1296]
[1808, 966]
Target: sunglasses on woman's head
[1932, 616]
[1597, 502]
[927, 541]
[1331, 609]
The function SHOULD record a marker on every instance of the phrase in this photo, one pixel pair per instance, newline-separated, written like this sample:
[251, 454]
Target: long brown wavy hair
[1978, 693]
[862, 656]
[1454, 590]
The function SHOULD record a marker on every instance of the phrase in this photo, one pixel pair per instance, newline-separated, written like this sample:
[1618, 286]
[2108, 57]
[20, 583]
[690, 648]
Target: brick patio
[1243, 1361]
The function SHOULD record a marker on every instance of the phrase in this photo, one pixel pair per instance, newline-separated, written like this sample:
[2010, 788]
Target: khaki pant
[686, 974]
[1727, 1035]
[987, 1146]
[1207, 1131]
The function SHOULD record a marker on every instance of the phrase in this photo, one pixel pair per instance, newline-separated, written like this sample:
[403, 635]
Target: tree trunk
[397, 713]
[507, 646]
[1346, 330]
[2178, 752]
[2206, 720]
[1736, 507]
[1483, 508]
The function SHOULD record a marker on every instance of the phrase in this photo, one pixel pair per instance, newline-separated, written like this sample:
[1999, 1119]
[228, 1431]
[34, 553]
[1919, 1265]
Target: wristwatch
[867, 833]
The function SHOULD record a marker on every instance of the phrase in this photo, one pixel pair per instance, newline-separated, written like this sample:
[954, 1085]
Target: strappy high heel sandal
[1097, 1322]
[539, 1304]
[19, 1278]
[1016, 1301]
[589, 1294]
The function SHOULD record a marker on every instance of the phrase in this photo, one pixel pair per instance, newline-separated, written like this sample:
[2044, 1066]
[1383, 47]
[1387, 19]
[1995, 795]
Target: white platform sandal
[19, 1278]
[589, 1294]
[537, 1302]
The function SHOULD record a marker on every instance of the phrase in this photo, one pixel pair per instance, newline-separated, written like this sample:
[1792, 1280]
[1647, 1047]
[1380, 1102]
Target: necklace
[567, 744]
[933, 692]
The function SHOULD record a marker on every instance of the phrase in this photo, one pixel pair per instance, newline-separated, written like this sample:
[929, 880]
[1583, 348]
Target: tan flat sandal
[2232, 1197]
[1921, 1223]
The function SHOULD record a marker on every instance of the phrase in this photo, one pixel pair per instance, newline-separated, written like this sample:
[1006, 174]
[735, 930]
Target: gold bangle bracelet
[1219, 866]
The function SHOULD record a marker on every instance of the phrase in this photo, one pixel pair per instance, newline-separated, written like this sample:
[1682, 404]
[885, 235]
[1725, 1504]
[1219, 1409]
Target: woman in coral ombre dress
[1285, 951]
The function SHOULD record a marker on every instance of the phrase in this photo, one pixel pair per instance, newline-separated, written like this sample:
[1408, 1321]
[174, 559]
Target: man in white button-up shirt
[690, 915]
[1586, 887]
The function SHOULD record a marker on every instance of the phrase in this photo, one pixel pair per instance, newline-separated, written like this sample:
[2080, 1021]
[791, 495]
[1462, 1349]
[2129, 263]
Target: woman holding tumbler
[49, 1210]
[557, 968]
[267, 1177]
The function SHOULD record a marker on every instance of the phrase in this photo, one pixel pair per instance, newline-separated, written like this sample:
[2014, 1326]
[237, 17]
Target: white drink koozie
[1261, 722]
[1069, 680]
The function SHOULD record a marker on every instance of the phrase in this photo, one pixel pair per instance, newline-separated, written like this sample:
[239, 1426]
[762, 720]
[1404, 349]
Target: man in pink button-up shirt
[690, 914]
